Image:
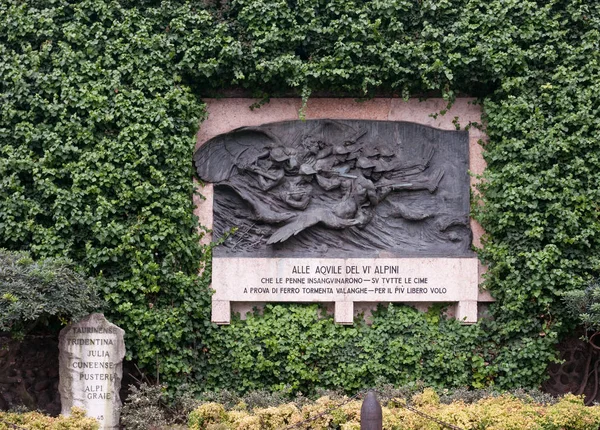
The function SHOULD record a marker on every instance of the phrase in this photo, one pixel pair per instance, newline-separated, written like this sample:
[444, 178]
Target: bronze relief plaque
[339, 189]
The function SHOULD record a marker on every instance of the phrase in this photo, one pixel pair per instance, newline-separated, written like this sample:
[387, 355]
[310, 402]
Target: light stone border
[227, 114]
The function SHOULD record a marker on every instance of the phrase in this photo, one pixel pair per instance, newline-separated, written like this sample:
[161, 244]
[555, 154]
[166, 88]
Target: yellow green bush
[207, 414]
[505, 412]
[37, 421]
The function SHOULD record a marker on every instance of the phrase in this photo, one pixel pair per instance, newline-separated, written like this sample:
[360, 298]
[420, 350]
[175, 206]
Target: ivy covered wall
[100, 101]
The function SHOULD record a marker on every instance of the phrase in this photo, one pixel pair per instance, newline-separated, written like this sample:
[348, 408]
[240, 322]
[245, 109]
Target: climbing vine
[100, 101]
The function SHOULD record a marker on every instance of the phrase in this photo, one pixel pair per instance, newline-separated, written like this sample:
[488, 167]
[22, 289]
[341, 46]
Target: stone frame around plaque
[226, 115]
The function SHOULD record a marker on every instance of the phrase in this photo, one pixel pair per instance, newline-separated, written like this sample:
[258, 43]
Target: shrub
[145, 408]
[152, 406]
[298, 348]
[35, 420]
[207, 414]
[37, 292]
[584, 305]
[503, 412]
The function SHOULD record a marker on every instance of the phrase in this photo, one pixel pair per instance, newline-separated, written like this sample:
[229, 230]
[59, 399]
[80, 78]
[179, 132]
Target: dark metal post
[371, 417]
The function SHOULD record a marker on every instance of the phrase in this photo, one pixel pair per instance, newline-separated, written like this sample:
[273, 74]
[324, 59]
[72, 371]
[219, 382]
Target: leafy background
[100, 102]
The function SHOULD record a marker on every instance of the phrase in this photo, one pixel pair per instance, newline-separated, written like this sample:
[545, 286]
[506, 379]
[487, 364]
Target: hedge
[503, 412]
[101, 99]
[36, 420]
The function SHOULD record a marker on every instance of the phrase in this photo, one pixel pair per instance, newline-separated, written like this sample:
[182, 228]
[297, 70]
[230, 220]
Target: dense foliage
[97, 135]
[39, 293]
[503, 412]
[101, 99]
[294, 349]
[584, 305]
[36, 420]
[490, 410]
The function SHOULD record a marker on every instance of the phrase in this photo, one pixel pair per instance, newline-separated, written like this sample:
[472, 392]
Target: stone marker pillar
[91, 368]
